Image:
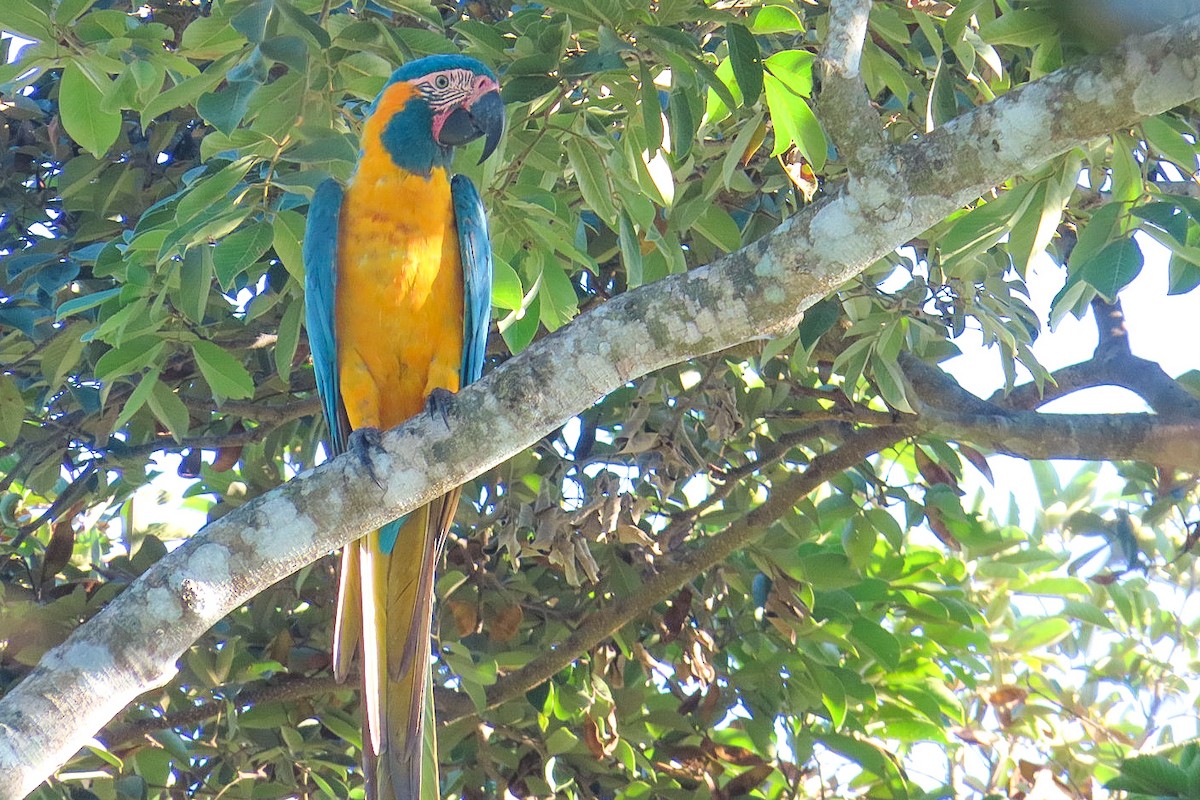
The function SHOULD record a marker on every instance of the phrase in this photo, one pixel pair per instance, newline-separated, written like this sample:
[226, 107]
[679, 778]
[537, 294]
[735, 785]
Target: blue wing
[475, 249]
[320, 282]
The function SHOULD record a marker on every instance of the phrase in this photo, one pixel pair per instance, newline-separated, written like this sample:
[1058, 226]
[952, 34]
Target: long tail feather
[396, 621]
[347, 623]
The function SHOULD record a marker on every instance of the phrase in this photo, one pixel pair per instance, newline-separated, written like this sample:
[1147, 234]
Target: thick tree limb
[1091, 437]
[1113, 364]
[134, 643]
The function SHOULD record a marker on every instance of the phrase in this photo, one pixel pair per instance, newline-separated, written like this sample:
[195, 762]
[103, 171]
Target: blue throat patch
[408, 138]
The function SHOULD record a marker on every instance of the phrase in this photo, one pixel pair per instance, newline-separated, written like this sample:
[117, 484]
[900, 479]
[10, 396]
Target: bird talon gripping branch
[398, 290]
[364, 442]
[439, 403]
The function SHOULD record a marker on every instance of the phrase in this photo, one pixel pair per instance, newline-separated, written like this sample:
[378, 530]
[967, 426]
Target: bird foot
[439, 403]
[364, 443]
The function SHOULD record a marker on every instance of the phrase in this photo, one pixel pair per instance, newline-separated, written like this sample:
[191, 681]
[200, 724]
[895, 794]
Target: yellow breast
[399, 312]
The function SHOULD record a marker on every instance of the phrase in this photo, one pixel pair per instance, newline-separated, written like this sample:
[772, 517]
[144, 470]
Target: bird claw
[439, 403]
[363, 442]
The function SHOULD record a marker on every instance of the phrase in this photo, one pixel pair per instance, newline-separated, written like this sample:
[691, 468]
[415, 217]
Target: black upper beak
[484, 117]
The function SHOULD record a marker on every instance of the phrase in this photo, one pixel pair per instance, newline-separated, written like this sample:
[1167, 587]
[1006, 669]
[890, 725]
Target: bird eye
[441, 81]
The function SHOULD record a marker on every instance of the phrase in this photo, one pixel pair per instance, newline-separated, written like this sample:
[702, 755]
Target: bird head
[434, 104]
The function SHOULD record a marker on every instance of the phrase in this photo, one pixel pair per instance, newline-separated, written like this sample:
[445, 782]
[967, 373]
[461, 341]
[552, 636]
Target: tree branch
[133, 644]
[661, 585]
[845, 110]
[288, 688]
[1113, 364]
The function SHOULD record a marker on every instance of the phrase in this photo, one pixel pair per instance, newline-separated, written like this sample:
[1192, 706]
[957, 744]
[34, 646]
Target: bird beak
[484, 116]
[489, 111]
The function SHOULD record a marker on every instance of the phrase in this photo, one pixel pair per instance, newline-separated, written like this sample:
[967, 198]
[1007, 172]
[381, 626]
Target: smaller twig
[843, 105]
[290, 688]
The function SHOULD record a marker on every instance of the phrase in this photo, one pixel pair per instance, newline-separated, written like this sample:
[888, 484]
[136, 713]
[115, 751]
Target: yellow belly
[399, 312]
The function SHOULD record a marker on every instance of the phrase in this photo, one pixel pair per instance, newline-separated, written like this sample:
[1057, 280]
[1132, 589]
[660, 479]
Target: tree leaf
[238, 251]
[225, 374]
[747, 62]
[169, 410]
[592, 177]
[12, 410]
[288, 338]
[1023, 28]
[195, 282]
[130, 357]
[775, 19]
[1114, 267]
[142, 389]
[83, 113]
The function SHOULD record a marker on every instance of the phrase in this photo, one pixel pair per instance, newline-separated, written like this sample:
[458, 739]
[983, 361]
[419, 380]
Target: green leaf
[651, 111]
[884, 646]
[224, 109]
[683, 122]
[130, 357]
[70, 10]
[142, 389]
[225, 374]
[184, 92]
[794, 69]
[211, 37]
[986, 224]
[588, 165]
[506, 285]
[818, 319]
[941, 105]
[1086, 612]
[1170, 142]
[795, 123]
[715, 106]
[1056, 587]
[716, 225]
[1114, 267]
[12, 410]
[288, 339]
[205, 193]
[561, 741]
[78, 304]
[169, 410]
[1151, 775]
[83, 115]
[1023, 28]
[238, 251]
[559, 301]
[862, 753]
[775, 19]
[631, 251]
[26, 18]
[522, 324]
[195, 282]
[747, 62]
[525, 88]
[251, 21]
[61, 355]
[286, 233]
[1183, 275]
[1032, 634]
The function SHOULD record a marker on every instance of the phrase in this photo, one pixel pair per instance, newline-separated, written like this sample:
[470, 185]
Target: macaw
[398, 290]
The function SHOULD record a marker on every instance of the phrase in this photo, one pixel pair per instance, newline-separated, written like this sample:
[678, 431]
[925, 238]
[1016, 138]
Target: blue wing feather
[475, 250]
[320, 284]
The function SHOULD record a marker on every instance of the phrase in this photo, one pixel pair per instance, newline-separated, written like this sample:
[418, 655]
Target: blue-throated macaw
[398, 295]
